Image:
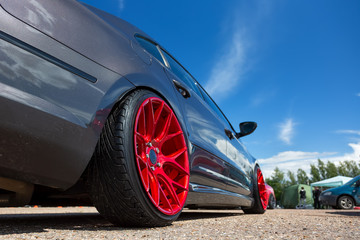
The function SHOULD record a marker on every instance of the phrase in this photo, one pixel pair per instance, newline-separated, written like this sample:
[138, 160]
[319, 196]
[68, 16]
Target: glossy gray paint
[51, 117]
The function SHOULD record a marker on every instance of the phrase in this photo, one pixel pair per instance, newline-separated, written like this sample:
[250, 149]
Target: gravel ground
[86, 223]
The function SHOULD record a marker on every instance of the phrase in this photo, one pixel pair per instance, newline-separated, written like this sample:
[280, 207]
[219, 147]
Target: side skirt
[205, 196]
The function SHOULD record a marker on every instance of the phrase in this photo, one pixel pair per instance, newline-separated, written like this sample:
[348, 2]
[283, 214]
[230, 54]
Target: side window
[356, 184]
[213, 105]
[179, 71]
[150, 48]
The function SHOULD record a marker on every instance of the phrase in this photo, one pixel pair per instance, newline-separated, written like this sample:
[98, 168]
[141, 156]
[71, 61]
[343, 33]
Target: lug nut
[158, 164]
[157, 150]
[147, 155]
[152, 168]
[149, 144]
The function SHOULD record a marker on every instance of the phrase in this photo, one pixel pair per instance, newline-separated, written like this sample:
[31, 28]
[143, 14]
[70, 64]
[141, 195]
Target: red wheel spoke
[176, 154]
[145, 177]
[154, 188]
[167, 184]
[178, 185]
[158, 112]
[165, 128]
[149, 118]
[170, 136]
[171, 182]
[161, 156]
[142, 122]
[142, 160]
[165, 200]
[172, 161]
[140, 136]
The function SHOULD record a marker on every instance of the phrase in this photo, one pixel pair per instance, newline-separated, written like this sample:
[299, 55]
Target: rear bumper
[40, 148]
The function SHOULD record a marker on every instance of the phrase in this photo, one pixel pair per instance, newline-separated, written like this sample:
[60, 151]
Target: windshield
[352, 180]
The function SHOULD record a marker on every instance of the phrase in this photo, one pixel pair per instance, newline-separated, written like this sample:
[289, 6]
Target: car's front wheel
[345, 202]
[139, 175]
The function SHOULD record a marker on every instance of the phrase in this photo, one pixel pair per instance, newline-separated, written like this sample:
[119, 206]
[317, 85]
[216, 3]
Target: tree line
[320, 171]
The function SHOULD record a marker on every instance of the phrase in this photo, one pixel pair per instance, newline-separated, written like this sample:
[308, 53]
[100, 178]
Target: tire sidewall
[271, 203]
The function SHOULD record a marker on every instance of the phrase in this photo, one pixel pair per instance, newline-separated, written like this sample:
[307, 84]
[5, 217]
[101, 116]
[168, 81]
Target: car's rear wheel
[139, 174]
[345, 202]
[259, 194]
[272, 202]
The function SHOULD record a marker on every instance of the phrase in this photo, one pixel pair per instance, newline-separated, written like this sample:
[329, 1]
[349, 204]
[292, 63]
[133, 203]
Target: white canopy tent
[331, 182]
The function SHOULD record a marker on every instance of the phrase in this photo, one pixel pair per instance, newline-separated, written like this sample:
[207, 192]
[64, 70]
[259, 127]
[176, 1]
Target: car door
[356, 191]
[206, 132]
[239, 161]
[209, 132]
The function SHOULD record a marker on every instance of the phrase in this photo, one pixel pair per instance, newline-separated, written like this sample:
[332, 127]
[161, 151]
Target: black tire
[272, 202]
[345, 202]
[113, 177]
[257, 207]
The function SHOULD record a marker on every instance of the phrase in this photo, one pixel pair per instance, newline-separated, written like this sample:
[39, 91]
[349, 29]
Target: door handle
[181, 89]
[229, 134]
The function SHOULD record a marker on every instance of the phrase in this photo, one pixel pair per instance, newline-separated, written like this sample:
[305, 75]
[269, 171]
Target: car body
[346, 196]
[92, 106]
[271, 203]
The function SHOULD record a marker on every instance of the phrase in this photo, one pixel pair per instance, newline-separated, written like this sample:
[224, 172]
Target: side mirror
[246, 128]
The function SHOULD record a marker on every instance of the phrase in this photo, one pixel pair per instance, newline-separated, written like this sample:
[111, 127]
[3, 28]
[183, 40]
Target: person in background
[316, 195]
[302, 197]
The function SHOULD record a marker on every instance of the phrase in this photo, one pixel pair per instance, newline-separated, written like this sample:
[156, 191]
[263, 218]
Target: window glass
[181, 73]
[150, 48]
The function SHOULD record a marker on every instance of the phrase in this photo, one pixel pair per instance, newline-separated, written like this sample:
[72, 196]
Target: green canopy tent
[291, 197]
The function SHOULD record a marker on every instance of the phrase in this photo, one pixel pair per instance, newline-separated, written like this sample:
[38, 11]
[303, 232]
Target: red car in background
[270, 196]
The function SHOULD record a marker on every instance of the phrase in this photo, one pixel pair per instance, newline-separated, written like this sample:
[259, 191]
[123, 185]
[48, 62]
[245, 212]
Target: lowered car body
[71, 76]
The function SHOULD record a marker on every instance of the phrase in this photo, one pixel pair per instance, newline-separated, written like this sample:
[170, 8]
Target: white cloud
[287, 131]
[352, 138]
[356, 132]
[238, 31]
[121, 4]
[358, 95]
[228, 69]
[262, 97]
[293, 160]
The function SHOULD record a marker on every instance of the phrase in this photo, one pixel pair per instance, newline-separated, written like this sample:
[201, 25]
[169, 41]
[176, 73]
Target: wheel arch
[345, 195]
[109, 105]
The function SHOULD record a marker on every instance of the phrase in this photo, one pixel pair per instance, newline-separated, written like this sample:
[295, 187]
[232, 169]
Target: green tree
[292, 178]
[302, 177]
[315, 173]
[322, 169]
[349, 168]
[331, 170]
[342, 169]
[354, 170]
[277, 182]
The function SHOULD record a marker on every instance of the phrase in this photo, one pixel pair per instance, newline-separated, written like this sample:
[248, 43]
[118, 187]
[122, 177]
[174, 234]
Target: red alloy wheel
[262, 189]
[161, 156]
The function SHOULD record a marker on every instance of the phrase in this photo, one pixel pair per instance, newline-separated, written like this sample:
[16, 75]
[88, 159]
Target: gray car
[95, 111]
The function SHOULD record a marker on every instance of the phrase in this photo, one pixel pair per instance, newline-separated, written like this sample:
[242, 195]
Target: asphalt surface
[86, 223]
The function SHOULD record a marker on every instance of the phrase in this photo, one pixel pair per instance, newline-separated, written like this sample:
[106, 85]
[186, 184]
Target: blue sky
[291, 66]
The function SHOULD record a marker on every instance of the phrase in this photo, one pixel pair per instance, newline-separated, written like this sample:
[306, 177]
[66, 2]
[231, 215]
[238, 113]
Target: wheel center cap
[152, 156]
